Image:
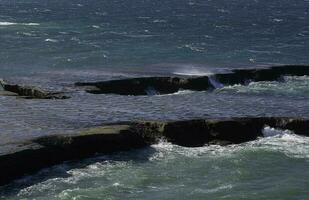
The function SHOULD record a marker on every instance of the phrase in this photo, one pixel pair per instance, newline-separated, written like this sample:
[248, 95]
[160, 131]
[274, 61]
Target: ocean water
[52, 44]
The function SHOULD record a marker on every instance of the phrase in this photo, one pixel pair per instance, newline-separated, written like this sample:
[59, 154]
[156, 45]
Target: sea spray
[215, 83]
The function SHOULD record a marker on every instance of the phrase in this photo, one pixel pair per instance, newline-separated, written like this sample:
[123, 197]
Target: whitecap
[277, 20]
[7, 23]
[51, 40]
[116, 184]
[14, 24]
[95, 26]
[31, 24]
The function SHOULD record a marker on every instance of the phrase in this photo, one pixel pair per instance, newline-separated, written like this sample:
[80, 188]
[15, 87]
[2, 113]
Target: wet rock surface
[29, 157]
[167, 85]
[28, 92]
[147, 85]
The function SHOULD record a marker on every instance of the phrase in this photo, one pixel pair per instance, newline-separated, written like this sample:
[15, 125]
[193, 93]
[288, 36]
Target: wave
[110, 173]
[274, 140]
[51, 40]
[16, 24]
[180, 92]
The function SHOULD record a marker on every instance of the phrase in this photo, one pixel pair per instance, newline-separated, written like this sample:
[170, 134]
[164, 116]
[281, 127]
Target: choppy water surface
[271, 168]
[53, 44]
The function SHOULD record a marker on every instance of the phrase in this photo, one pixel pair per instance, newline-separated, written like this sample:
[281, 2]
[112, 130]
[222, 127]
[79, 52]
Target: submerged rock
[28, 92]
[31, 156]
[167, 85]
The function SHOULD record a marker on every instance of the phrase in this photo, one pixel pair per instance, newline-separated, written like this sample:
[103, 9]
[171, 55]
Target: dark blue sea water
[54, 43]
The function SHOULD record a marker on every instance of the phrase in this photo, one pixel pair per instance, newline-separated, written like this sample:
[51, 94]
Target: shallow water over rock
[51, 45]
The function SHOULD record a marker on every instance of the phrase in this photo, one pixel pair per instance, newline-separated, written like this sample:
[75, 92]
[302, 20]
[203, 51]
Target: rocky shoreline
[30, 156]
[168, 85]
[162, 85]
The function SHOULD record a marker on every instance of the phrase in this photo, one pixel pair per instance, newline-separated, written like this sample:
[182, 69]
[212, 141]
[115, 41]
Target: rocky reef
[167, 85]
[28, 92]
[30, 156]
[147, 85]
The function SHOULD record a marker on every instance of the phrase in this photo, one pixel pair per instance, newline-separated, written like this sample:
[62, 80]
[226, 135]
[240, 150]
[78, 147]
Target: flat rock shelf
[168, 85]
[30, 156]
[28, 92]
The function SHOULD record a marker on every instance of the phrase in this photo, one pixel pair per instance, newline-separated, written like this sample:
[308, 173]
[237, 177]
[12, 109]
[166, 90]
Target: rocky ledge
[167, 85]
[28, 92]
[30, 156]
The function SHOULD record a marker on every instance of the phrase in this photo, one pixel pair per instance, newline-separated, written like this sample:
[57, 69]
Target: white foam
[7, 23]
[95, 26]
[14, 24]
[180, 92]
[51, 40]
[292, 85]
[275, 140]
[277, 20]
[116, 184]
[270, 132]
[31, 24]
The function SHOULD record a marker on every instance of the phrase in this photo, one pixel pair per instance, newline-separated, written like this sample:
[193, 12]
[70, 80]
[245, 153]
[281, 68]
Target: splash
[215, 83]
[151, 91]
[271, 132]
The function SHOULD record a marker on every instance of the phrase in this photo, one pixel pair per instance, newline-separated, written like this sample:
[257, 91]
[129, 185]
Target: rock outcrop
[167, 85]
[28, 92]
[147, 85]
[31, 156]
[243, 76]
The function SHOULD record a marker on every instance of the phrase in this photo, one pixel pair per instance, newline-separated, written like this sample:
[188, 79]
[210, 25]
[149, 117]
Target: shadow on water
[61, 171]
